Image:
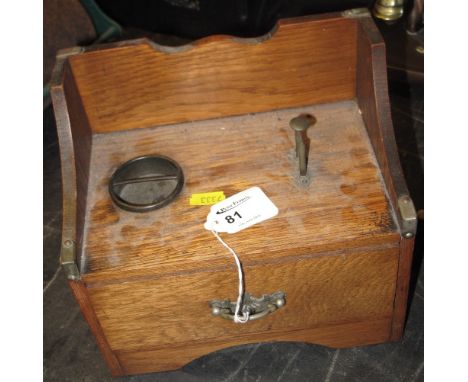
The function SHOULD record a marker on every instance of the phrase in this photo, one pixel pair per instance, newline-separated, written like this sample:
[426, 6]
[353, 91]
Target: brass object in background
[388, 10]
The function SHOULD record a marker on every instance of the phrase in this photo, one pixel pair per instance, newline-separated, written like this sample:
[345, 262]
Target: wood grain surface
[82, 297]
[67, 151]
[344, 207]
[74, 135]
[81, 135]
[372, 98]
[320, 291]
[221, 108]
[373, 101]
[338, 336]
[402, 288]
[306, 61]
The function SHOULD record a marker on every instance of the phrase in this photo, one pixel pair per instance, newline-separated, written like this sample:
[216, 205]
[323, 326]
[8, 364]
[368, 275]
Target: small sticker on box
[207, 198]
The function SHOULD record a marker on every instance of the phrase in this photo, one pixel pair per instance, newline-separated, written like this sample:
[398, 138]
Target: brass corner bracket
[67, 260]
[408, 216]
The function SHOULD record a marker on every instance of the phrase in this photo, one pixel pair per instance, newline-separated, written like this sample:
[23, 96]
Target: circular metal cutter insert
[146, 183]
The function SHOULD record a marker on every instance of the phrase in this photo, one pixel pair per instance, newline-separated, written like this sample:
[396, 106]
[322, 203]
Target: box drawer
[320, 291]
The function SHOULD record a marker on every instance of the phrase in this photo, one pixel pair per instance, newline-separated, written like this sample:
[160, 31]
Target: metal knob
[388, 10]
[300, 125]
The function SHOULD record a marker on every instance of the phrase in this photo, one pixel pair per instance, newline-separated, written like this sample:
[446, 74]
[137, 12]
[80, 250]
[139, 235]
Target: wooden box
[340, 247]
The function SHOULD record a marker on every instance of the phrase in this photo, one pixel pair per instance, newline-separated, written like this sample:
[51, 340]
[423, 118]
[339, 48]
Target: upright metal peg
[300, 125]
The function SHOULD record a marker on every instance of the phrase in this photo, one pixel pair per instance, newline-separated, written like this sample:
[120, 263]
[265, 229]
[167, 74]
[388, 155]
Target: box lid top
[344, 207]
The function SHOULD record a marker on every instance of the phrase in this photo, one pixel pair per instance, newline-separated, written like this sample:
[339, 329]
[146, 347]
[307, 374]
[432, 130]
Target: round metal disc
[146, 183]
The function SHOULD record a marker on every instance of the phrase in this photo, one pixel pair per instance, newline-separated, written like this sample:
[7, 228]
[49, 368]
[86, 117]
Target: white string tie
[245, 314]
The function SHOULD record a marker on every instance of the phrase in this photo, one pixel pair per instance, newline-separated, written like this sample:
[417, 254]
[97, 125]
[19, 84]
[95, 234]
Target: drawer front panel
[320, 291]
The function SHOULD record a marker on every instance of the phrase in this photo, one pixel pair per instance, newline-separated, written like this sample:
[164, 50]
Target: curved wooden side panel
[75, 149]
[67, 160]
[372, 97]
[75, 139]
[373, 100]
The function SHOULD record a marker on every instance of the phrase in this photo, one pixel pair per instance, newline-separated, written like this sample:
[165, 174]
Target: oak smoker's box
[331, 268]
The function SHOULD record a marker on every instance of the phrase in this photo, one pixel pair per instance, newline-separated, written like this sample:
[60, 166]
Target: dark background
[198, 18]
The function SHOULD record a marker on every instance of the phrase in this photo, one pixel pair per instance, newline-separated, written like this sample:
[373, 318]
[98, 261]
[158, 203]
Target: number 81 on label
[230, 219]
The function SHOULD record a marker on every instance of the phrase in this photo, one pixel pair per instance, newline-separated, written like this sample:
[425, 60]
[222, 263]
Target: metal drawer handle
[257, 307]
